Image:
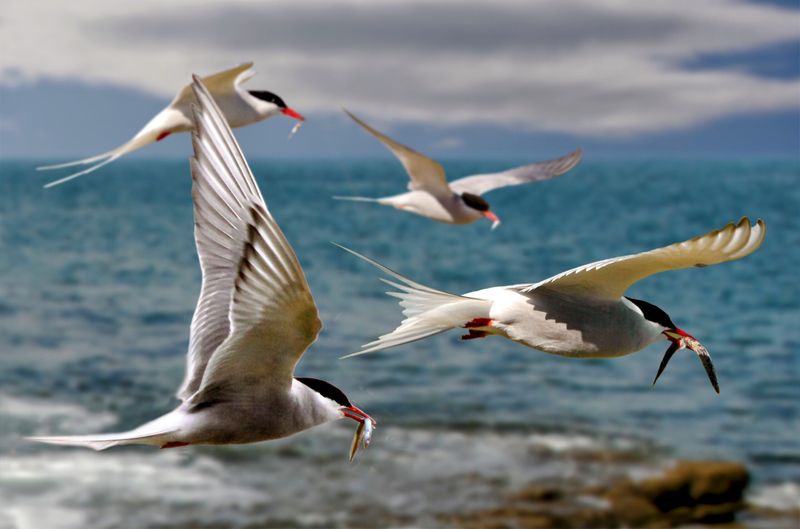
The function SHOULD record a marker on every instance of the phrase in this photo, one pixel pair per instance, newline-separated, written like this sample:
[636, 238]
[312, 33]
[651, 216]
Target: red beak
[491, 216]
[292, 113]
[357, 414]
[670, 334]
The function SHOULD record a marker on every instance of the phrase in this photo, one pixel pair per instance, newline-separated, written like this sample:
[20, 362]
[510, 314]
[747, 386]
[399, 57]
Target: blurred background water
[99, 277]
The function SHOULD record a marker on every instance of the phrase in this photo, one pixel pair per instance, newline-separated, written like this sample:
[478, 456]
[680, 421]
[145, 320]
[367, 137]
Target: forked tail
[102, 441]
[356, 199]
[144, 137]
[428, 311]
[159, 432]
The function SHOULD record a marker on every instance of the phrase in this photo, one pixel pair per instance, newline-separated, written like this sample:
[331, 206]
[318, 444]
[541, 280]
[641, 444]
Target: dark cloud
[408, 27]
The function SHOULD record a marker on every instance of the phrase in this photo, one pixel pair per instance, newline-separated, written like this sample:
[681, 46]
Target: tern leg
[174, 444]
[474, 335]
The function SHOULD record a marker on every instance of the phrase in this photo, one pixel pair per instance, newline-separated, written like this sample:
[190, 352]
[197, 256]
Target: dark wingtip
[665, 360]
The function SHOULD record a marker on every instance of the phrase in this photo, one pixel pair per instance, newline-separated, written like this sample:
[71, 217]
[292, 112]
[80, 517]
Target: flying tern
[460, 201]
[254, 319]
[239, 106]
[581, 313]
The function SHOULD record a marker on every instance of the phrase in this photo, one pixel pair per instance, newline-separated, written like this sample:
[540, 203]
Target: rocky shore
[688, 494]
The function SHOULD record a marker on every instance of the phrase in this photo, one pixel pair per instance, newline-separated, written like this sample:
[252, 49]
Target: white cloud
[608, 67]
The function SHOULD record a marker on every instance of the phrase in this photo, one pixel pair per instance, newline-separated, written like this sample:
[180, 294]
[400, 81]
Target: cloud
[409, 27]
[589, 67]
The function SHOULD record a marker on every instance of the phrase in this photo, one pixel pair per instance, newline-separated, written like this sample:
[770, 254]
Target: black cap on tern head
[269, 97]
[653, 313]
[475, 201]
[326, 389]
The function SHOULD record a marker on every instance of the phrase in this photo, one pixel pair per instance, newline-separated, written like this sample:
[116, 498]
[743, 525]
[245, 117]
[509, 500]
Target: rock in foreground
[690, 492]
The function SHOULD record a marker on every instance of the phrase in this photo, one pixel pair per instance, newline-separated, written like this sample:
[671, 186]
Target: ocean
[99, 278]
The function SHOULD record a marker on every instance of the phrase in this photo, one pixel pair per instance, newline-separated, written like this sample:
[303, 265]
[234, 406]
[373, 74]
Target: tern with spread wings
[580, 313]
[460, 201]
[239, 106]
[253, 321]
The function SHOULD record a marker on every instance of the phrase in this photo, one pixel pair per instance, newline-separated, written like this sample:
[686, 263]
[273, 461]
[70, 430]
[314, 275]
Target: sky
[452, 78]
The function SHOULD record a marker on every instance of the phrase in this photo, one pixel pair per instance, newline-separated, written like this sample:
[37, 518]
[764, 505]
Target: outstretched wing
[482, 183]
[612, 277]
[255, 316]
[426, 174]
[218, 83]
[228, 80]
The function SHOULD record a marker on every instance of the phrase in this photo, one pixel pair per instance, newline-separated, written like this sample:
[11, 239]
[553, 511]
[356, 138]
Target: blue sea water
[99, 277]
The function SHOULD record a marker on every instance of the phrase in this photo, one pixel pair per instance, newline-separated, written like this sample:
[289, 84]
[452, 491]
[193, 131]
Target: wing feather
[426, 174]
[535, 172]
[252, 281]
[612, 277]
[217, 83]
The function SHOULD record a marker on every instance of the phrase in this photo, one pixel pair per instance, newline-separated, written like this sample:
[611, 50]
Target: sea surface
[99, 278]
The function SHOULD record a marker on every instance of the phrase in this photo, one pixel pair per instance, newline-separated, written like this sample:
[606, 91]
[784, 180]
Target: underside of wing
[273, 315]
[535, 172]
[216, 83]
[612, 277]
[426, 174]
[225, 197]
[227, 80]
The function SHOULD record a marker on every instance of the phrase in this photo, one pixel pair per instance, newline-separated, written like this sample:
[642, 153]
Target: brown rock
[537, 493]
[631, 508]
[695, 484]
[690, 492]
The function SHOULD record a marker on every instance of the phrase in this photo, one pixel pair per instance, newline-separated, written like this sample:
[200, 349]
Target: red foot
[174, 444]
[478, 322]
[474, 335]
[163, 135]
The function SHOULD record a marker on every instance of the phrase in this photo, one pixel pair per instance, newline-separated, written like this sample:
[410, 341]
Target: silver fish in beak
[682, 340]
[363, 434]
[294, 129]
[362, 437]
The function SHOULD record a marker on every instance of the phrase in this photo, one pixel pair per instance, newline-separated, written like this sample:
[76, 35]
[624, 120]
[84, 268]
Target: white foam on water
[565, 442]
[781, 497]
[72, 488]
[304, 480]
[65, 417]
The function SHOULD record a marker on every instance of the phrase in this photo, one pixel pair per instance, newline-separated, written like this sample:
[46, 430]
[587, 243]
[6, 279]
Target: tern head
[338, 399]
[479, 204]
[275, 104]
[342, 405]
[678, 338]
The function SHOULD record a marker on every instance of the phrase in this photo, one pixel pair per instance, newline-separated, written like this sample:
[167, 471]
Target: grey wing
[425, 174]
[535, 172]
[273, 315]
[226, 200]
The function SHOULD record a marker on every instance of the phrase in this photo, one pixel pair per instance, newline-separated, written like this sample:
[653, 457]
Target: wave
[303, 480]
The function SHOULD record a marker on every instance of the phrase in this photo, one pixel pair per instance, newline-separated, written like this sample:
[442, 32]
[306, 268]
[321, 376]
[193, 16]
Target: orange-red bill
[292, 113]
[491, 216]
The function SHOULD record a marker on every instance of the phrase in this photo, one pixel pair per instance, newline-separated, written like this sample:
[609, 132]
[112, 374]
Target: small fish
[295, 129]
[356, 440]
[705, 359]
[368, 428]
[362, 437]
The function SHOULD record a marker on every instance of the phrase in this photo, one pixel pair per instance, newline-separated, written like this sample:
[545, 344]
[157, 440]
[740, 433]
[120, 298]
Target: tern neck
[312, 406]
